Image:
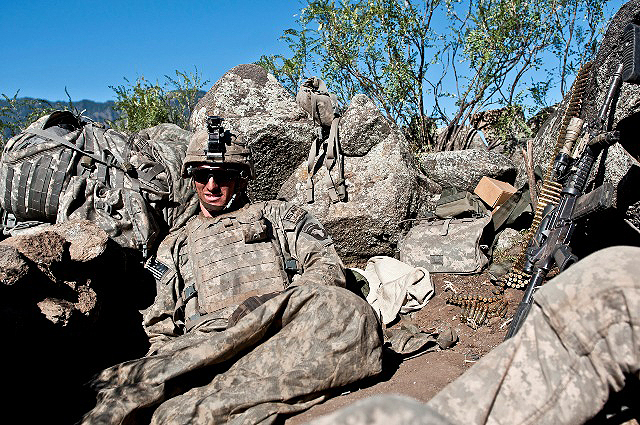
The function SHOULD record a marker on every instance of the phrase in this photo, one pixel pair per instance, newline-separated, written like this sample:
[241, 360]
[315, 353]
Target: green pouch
[459, 204]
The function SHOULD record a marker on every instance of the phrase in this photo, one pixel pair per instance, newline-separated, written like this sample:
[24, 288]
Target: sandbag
[447, 246]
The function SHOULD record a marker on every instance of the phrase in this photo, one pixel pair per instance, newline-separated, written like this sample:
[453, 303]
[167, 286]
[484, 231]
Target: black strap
[38, 189]
[189, 292]
[21, 204]
[9, 189]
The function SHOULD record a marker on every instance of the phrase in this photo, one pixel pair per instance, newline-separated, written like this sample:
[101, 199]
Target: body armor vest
[233, 257]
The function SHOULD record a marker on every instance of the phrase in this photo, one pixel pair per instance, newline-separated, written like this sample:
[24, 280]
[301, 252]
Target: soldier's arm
[312, 248]
[158, 319]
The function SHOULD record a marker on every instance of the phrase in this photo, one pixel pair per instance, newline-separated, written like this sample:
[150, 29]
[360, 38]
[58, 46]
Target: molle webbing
[226, 268]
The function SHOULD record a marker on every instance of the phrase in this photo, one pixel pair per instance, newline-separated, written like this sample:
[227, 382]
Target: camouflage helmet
[220, 148]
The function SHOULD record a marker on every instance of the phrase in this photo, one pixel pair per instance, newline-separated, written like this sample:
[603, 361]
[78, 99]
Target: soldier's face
[215, 187]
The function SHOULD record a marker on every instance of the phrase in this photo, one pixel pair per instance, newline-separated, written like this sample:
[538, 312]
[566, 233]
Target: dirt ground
[423, 376]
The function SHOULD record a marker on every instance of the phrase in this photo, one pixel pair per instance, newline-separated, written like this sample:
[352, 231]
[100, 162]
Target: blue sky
[89, 45]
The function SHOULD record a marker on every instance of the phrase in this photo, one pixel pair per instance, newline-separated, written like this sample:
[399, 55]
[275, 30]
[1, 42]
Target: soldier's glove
[248, 306]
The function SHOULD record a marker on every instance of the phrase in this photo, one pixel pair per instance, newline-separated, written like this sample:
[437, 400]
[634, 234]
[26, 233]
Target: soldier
[579, 345]
[251, 318]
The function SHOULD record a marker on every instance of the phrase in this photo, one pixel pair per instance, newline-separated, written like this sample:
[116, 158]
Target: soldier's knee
[622, 261]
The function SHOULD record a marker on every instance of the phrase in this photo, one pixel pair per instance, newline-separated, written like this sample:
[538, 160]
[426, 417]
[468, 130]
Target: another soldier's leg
[580, 341]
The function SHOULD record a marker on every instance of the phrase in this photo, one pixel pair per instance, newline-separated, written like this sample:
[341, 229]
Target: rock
[384, 189]
[362, 126]
[507, 241]
[491, 124]
[255, 104]
[468, 138]
[86, 239]
[13, 266]
[57, 311]
[44, 248]
[463, 169]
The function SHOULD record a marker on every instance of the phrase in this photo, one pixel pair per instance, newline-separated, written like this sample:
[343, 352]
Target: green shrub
[17, 113]
[143, 104]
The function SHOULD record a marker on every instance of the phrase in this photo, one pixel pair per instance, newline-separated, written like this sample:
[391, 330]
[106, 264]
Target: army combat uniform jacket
[214, 263]
[308, 335]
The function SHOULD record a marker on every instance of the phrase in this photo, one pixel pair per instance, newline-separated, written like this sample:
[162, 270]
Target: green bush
[16, 114]
[143, 104]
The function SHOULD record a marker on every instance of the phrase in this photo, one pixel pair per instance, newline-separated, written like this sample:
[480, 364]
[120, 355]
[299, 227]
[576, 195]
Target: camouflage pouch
[316, 100]
[460, 204]
[447, 246]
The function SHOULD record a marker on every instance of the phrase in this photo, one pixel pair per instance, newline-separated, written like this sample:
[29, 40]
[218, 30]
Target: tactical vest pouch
[460, 204]
[446, 246]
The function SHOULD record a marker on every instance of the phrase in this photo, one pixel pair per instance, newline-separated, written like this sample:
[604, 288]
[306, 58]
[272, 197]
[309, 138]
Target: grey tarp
[280, 358]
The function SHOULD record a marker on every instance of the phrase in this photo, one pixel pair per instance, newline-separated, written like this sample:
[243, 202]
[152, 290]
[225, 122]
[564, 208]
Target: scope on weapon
[216, 144]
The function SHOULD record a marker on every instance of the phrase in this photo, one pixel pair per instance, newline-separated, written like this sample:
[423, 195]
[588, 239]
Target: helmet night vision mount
[218, 138]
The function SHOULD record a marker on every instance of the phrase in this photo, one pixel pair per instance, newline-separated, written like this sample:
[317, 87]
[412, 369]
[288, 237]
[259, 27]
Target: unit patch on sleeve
[316, 231]
[294, 215]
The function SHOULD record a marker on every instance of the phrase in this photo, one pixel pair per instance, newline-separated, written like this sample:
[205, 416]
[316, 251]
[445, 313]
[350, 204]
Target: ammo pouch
[447, 246]
[458, 204]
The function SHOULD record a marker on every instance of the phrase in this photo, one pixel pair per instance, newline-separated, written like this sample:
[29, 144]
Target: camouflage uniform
[300, 338]
[231, 246]
[579, 343]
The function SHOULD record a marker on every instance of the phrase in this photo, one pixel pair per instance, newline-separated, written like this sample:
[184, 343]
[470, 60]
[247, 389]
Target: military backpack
[322, 107]
[65, 167]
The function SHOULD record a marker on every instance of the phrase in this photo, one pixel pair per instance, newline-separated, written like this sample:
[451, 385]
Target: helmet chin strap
[233, 198]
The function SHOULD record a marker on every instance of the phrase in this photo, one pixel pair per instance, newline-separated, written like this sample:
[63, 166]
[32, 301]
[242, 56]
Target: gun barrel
[616, 80]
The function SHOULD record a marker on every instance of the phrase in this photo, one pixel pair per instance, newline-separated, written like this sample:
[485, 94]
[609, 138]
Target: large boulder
[362, 127]
[463, 169]
[256, 105]
[384, 187]
[616, 165]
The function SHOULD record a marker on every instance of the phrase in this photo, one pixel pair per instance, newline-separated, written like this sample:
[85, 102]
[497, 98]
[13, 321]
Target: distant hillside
[97, 111]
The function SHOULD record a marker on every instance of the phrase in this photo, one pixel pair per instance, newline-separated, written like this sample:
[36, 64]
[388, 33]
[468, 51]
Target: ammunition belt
[478, 309]
[550, 191]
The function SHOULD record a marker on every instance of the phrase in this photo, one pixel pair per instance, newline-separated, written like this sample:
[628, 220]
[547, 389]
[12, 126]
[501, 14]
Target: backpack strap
[311, 163]
[54, 138]
[337, 190]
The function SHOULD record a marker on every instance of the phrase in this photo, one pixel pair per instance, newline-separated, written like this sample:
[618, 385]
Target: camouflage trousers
[579, 343]
[280, 358]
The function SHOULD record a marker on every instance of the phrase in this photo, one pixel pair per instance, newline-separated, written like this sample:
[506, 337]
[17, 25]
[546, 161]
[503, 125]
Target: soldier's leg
[579, 343]
[324, 337]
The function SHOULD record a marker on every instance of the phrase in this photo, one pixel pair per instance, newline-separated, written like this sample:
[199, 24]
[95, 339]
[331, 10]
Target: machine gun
[549, 247]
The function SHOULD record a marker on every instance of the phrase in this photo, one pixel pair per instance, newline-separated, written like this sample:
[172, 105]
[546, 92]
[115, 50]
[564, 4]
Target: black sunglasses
[202, 175]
